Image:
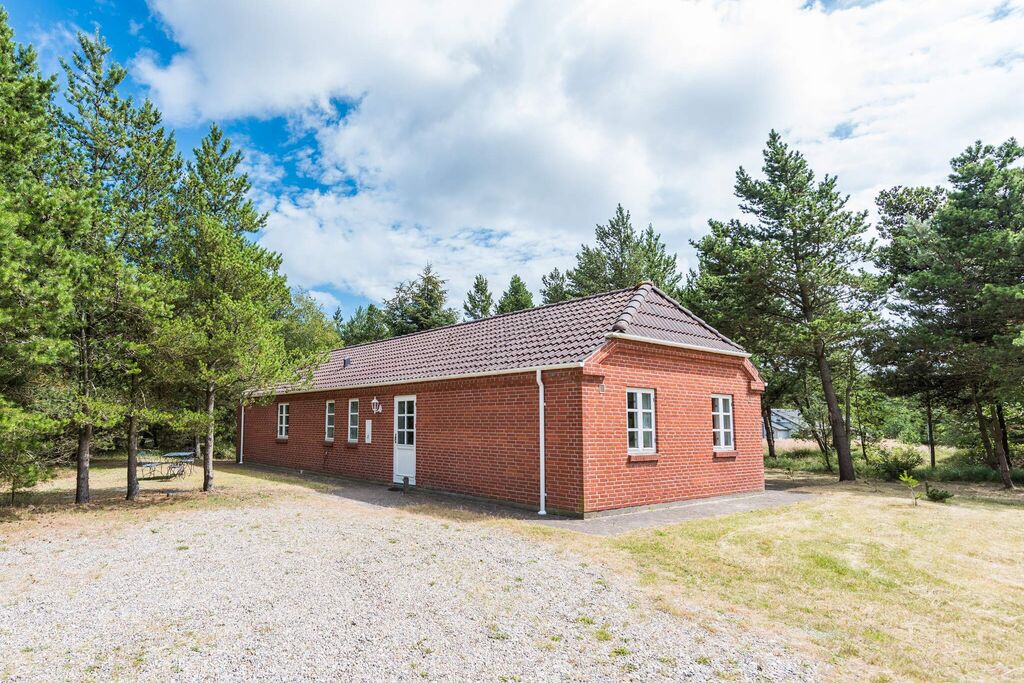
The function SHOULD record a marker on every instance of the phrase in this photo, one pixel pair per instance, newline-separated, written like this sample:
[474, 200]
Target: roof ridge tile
[634, 304]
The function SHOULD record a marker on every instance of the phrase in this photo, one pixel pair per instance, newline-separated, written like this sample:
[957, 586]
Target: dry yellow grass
[52, 502]
[881, 589]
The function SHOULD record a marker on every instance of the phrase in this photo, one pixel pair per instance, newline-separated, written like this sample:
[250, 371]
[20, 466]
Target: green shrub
[968, 472]
[911, 483]
[890, 463]
[936, 495]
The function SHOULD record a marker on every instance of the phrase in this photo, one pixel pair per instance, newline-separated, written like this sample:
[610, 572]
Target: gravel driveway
[322, 588]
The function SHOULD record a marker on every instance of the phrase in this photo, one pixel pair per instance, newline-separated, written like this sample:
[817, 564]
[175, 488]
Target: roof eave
[422, 380]
[678, 345]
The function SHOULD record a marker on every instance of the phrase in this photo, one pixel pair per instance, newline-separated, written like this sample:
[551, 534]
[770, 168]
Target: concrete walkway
[614, 523]
[606, 524]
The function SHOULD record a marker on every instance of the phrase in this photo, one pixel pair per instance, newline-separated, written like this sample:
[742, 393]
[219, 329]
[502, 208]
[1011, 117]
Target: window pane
[716, 422]
[714, 405]
[401, 422]
[718, 438]
[631, 400]
[646, 400]
[728, 439]
[630, 420]
[410, 438]
[648, 420]
[409, 422]
[632, 439]
[648, 439]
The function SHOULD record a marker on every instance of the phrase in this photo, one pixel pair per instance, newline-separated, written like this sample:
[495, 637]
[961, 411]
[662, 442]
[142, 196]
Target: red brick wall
[686, 466]
[474, 436]
[480, 436]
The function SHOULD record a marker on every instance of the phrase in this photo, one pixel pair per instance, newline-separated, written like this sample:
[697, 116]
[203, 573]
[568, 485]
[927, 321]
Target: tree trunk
[133, 457]
[997, 443]
[849, 403]
[840, 440]
[931, 427]
[208, 451]
[766, 416]
[990, 456]
[863, 444]
[82, 480]
[1006, 434]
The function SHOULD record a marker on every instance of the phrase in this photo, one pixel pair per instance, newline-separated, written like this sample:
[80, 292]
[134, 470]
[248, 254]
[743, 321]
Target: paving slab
[613, 523]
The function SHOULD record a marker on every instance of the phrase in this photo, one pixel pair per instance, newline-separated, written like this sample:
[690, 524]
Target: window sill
[644, 457]
[328, 442]
[724, 455]
[351, 444]
[281, 440]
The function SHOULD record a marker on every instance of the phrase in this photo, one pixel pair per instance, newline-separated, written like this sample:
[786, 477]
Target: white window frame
[719, 433]
[353, 429]
[329, 421]
[283, 418]
[639, 429]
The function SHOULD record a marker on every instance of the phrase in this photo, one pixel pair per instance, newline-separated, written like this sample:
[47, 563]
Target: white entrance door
[405, 439]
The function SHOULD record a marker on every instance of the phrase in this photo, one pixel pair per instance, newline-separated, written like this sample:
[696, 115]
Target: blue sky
[131, 29]
[491, 137]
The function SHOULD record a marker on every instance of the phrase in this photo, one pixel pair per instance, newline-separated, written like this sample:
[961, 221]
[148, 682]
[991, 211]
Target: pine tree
[516, 298]
[366, 325]
[307, 332]
[554, 287]
[622, 258]
[419, 304]
[34, 265]
[93, 148]
[227, 335]
[801, 258]
[960, 284]
[479, 302]
[147, 180]
[907, 358]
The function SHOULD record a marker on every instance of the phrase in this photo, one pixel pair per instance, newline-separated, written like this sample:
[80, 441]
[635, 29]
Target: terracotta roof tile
[555, 334]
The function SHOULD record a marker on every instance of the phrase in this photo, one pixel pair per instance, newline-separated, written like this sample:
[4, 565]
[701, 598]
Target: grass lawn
[857, 576]
[881, 589]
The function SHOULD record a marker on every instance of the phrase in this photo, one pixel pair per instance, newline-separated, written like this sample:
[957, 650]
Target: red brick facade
[479, 436]
[686, 465]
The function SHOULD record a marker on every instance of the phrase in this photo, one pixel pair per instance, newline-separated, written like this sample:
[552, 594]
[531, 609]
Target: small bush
[890, 463]
[936, 495]
[911, 483]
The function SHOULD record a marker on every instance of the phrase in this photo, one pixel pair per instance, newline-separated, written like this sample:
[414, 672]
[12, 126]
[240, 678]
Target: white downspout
[540, 410]
[241, 438]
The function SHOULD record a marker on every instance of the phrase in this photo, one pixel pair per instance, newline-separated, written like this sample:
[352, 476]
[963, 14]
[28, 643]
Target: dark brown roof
[556, 334]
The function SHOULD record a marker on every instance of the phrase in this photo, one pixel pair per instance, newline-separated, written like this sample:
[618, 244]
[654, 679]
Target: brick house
[610, 401]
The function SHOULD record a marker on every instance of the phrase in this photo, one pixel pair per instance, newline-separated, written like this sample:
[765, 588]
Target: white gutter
[540, 410]
[241, 438]
[422, 380]
[678, 345]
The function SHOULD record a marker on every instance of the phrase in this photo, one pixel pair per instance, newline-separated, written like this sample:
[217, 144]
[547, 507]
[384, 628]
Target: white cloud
[327, 301]
[491, 137]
